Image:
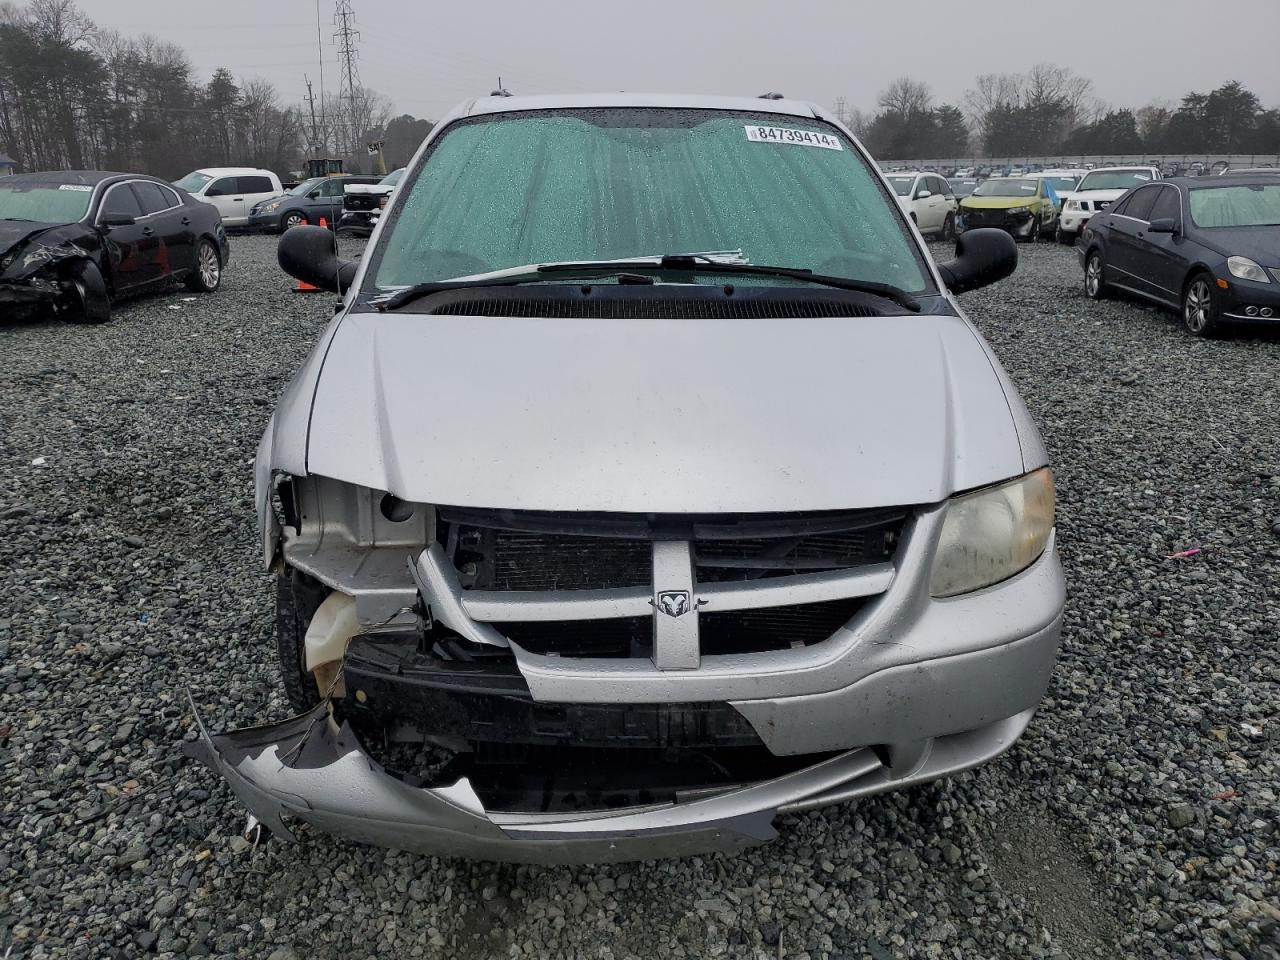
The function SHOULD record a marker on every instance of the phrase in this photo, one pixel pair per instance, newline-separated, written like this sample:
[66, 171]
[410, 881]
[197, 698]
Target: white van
[233, 190]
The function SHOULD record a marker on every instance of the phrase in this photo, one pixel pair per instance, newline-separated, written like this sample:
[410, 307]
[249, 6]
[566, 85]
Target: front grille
[731, 631]
[531, 551]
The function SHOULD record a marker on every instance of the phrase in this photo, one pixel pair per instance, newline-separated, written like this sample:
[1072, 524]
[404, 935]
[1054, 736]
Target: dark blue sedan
[1208, 247]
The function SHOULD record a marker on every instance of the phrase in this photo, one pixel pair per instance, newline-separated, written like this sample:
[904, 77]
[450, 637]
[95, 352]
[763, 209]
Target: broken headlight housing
[991, 534]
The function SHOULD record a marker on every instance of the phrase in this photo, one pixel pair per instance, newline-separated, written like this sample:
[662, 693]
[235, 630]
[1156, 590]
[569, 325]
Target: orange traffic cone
[324, 223]
[303, 286]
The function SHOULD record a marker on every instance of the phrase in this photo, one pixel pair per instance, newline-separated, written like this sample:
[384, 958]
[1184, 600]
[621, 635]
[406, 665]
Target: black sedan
[71, 242]
[1206, 247]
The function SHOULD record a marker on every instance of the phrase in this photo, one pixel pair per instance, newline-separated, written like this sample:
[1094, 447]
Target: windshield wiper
[680, 263]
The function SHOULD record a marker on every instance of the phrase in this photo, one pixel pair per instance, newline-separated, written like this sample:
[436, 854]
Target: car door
[332, 192]
[255, 188]
[1160, 257]
[926, 207]
[1125, 220]
[224, 193]
[170, 225]
[129, 251]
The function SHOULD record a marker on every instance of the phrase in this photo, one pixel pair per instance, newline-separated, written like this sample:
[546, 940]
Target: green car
[1026, 207]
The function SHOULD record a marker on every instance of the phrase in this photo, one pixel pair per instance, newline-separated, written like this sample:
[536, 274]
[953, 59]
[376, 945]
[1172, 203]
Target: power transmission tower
[346, 37]
[315, 130]
[842, 110]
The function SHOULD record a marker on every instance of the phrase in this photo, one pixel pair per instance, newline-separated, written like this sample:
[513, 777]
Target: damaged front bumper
[313, 768]
[20, 299]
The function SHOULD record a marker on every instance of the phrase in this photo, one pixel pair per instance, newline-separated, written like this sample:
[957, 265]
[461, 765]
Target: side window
[1139, 205]
[150, 196]
[120, 201]
[922, 185]
[223, 187]
[334, 186]
[256, 185]
[1167, 205]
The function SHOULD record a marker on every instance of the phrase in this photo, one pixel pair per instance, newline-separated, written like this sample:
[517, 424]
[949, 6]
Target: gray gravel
[1137, 818]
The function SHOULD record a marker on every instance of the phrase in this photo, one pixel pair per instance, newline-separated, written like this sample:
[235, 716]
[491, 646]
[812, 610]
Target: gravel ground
[1138, 817]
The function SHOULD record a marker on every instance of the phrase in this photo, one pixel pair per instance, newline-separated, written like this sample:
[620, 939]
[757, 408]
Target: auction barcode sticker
[77, 187]
[804, 138]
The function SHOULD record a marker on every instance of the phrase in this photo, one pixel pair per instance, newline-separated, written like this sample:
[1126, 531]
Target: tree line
[1052, 110]
[76, 96]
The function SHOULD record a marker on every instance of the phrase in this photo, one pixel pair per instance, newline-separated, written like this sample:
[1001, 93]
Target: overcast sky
[427, 56]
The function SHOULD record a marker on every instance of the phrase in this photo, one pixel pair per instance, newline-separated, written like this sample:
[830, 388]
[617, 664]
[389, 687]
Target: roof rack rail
[771, 96]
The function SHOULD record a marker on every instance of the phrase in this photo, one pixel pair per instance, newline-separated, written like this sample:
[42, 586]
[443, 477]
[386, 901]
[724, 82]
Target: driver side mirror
[313, 195]
[983, 256]
[1163, 225]
[310, 254]
[110, 220]
[922, 194]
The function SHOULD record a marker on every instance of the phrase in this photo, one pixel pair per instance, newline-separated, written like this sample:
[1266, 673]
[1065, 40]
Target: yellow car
[1026, 207]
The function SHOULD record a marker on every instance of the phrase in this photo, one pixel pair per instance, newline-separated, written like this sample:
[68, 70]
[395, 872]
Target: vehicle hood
[996, 203]
[1100, 194]
[14, 233]
[655, 415]
[1259, 244]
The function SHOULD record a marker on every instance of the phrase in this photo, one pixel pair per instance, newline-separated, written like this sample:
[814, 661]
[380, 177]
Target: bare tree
[906, 97]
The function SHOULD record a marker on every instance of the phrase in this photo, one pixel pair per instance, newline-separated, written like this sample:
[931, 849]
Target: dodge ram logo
[674, 603]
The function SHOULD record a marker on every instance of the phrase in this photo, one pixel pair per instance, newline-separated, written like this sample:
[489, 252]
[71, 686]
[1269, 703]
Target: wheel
[297, 599]
[207, 275]
[1061, 235]
[949, 227]
[1034, 235]
[1095, 287]
[1200, 310]
[292, 219]
[87, 300]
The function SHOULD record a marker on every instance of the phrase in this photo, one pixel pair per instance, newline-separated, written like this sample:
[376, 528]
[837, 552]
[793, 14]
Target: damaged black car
[72, 242]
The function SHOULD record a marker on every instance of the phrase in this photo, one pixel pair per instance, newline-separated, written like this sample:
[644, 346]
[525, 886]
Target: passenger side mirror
[110, 220]
[1163, 225]
[310, 254]
[983, 256]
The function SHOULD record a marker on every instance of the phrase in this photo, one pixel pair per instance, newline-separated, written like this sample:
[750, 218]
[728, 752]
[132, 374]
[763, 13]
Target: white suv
[233, 190]
[928, 200]
[1097, 191]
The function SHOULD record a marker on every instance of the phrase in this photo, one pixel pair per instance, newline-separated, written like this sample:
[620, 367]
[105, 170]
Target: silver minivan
[649, 483]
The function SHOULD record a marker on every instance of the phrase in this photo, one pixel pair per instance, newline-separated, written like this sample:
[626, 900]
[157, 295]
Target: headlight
[991, 534]
[1073, 204]
[1246, 269]
[1017, 211]
[273, 205]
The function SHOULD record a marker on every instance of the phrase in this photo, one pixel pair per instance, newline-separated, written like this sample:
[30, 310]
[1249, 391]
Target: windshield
[306, 186]
[902, 185]
[1006, 188]
[1063, 184]
[193, 181]
[392, 178]
[1247, 205]
[607, 184]
[44, 202]
[962, 188]
[1114, 179]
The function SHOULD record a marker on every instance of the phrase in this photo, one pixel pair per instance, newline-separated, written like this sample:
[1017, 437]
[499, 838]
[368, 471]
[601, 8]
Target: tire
[1034, 235]
[949, 227]
[1201, 313]
[206, 276]
[292, 219]
[87, 300]
[297, 599]
[1095, 286]
[1061, 235]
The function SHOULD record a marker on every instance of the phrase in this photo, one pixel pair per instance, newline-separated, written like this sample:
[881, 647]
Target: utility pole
[842, 108]
[346, 37]
[315, 130]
